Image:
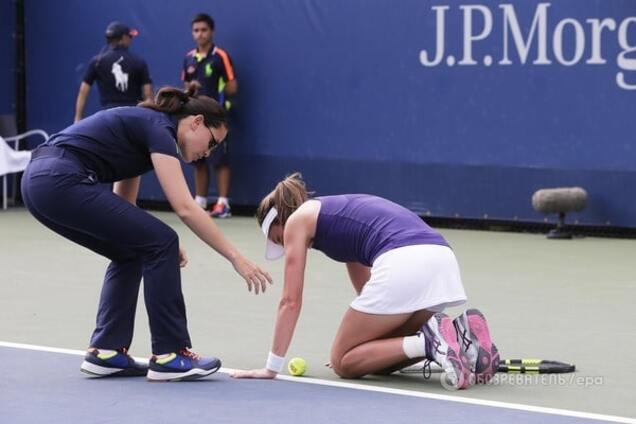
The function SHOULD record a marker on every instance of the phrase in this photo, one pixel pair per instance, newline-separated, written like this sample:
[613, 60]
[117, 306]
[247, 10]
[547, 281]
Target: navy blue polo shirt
[208, 70]
[120, 76]
[116, 143]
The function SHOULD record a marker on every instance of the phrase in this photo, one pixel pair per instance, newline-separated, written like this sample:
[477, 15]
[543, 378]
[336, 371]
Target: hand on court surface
[183, 259]
[253, 275]
[261, 373]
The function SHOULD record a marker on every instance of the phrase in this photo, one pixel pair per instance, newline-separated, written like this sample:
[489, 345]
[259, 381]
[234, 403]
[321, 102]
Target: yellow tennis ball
[296, 366]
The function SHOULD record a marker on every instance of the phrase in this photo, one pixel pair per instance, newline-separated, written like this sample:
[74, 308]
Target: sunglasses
[213, 143]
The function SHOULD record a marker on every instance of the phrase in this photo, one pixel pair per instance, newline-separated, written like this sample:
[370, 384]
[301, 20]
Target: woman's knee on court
[334, 362]
[344, 366]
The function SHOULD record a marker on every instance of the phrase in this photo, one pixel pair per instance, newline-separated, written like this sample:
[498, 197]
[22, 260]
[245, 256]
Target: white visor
[272, 250]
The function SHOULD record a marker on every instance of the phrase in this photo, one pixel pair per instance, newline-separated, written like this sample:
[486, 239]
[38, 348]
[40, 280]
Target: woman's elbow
[290, 304]
[184, 211]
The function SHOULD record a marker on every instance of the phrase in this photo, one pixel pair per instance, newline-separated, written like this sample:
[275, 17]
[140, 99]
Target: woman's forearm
[200, 223]
[288, 313]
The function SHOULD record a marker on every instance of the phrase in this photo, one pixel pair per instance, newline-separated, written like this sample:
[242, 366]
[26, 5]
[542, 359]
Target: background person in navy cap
[122, 77]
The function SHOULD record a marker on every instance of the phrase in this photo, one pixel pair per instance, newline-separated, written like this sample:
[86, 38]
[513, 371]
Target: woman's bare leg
[368, 343]
[409, 328]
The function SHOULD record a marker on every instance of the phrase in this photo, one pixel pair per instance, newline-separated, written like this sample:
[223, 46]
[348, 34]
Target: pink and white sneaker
[442, 347]
[221, 210]
[476, 344]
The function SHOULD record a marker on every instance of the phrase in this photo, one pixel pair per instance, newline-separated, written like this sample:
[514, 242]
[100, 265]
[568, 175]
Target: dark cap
[117, 30]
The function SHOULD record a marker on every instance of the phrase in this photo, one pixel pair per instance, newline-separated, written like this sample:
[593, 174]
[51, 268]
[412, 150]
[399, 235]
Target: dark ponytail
[181, 104]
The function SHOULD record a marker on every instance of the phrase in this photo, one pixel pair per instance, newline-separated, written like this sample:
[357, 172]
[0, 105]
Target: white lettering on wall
[625, 63]
[469, 36]
[530, 45]
[539, 23]
[440, 37]
[579, 42]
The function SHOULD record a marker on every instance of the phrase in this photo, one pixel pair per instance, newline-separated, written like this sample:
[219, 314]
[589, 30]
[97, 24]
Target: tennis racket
[510, 366]
[534, 366]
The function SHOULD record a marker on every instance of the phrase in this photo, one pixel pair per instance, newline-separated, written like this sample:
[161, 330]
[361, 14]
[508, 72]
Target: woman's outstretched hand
[183, 259]
[261, 373]
[253, 275]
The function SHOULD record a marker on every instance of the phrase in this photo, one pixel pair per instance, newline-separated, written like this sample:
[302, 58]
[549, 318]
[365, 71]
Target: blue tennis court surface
[41, 386]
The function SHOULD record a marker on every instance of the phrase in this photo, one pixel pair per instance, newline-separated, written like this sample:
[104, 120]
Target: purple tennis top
[360, 227]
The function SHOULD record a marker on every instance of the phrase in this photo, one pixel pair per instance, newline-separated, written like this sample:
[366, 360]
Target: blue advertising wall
[450, 108]
[7, 57]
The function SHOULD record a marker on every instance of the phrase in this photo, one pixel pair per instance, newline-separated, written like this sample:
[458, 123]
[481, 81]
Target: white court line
[388, 390]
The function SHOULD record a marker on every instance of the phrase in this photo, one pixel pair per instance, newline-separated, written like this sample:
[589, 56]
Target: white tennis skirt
[411, 278]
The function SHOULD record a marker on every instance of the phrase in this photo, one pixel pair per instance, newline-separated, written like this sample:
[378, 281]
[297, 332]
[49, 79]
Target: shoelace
[189, 354]
[426, 369]
[436, 345]
[426, 366]
[465, 341]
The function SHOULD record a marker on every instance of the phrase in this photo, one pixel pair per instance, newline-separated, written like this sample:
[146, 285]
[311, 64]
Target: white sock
[222, 200]
[201, 201]
[414, 346]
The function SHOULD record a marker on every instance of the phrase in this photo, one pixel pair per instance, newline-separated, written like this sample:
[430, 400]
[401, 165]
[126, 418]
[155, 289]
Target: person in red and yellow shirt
[209, 69]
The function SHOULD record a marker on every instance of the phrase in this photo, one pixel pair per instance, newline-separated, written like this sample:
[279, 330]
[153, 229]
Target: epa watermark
[510, 379]
[569, 379]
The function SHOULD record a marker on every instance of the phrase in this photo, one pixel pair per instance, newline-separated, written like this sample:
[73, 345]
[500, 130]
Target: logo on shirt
[121, 77]
[191, 69]
[208, 70]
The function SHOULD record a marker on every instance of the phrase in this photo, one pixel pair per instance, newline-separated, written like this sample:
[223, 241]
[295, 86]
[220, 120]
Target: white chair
[13, 160]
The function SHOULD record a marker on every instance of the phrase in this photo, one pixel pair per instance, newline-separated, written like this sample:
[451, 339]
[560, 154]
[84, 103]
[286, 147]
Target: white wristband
[275, 363]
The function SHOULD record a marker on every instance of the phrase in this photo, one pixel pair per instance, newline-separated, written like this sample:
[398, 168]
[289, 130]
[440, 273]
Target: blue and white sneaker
[111, 364]
[181, 366]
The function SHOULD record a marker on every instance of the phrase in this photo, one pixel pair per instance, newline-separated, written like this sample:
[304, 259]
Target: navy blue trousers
[63, 195]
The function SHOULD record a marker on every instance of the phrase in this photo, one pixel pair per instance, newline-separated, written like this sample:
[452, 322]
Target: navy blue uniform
[120, 76]
[116, 144]
[61, 188]
[212, 71]
[208, 70]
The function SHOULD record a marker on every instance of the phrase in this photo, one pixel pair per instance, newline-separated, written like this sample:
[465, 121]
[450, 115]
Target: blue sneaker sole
[193, 374]
[95, 370]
